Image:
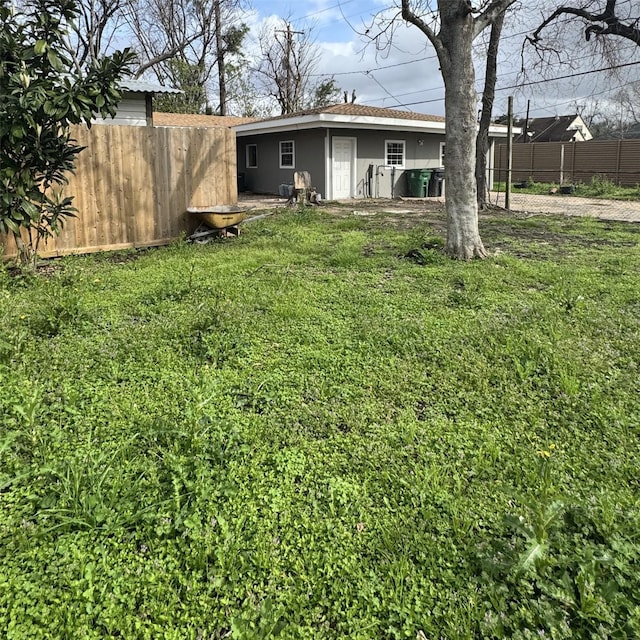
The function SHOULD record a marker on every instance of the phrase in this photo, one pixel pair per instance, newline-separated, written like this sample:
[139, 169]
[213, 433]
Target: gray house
[350, 150]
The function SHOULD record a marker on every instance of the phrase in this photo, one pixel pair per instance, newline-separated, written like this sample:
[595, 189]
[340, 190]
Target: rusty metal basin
[220, 216]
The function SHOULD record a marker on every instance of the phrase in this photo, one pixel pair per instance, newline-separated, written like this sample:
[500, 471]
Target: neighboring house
[571, 128]
[136, 106]
[350, 150]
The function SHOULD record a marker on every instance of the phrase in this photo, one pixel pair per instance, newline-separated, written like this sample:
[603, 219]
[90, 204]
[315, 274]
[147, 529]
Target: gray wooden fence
[572, 162]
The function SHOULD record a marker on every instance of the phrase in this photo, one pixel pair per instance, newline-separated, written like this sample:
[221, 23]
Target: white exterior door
[343, 167]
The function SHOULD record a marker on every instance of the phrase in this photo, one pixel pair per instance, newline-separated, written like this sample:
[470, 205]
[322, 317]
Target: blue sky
[330, 18]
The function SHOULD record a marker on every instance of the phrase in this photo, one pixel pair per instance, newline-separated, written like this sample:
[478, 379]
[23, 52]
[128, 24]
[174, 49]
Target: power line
[369, 72]
[536, 82]
[571, 75]
[435, 57]
[479, 81]
[370, 75]
[333, 6]
[359, 14]
[395, 98]
[595, 93]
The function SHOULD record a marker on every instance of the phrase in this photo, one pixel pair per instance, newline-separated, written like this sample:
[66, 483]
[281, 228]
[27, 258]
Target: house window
[252, 156]
[394, 156]
[442, 150]
[287, 155]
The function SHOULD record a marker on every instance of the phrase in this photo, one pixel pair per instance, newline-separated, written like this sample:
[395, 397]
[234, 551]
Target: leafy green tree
[187, 77]
[325, 93]
[41, 94]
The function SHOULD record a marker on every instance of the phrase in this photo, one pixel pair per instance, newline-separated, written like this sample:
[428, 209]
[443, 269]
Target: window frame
[443, 146]
[404, 153]
[247, 156]
[292, 153]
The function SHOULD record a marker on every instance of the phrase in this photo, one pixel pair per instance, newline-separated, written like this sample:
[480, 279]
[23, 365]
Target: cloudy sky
[406, 76]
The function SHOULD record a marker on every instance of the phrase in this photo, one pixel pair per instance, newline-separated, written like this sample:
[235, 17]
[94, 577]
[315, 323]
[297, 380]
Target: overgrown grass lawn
[325, 429]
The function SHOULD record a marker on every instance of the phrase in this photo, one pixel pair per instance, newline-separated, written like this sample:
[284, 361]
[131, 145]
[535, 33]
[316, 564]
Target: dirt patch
[519, 233]
[50, 267]
[403, 214]
[523, 233]
[125, 256]
[521, 205]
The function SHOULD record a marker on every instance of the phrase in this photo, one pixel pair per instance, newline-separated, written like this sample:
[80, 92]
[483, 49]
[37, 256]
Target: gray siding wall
[132, 110]
[371, 149]
[310, 156]
[267, 176]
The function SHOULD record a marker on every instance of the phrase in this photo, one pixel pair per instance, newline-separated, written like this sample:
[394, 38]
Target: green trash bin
[418, 182]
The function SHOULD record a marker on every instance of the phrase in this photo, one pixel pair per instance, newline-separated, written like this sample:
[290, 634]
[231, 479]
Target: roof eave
[138, 86]
[326, 120]
[339, 121]
[501, 131]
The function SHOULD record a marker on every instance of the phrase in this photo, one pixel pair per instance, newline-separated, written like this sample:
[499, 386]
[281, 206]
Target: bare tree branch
[488, 95]
[166, 55]
[490, 14]
[410, 16]
[611, 24]
[288, 60]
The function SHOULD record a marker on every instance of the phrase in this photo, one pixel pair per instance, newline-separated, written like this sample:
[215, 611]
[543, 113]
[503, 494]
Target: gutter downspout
[328, 175]
[378, 174]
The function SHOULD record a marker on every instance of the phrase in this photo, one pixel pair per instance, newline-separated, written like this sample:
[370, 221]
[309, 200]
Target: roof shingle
[362, 110]
[196, 120]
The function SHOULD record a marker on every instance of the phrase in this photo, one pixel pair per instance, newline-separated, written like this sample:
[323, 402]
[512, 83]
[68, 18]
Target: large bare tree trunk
[453, 44]
[456, 61]
[490, 77]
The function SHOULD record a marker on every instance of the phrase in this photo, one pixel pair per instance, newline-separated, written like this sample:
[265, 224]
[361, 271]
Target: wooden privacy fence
[572, 162]
[132, 186]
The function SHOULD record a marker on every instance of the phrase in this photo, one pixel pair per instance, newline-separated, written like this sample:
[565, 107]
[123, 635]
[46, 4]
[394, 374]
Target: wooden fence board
[133, 185]
[629, 160]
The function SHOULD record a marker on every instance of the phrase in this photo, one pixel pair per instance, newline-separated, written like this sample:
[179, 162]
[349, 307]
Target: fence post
[561, 164]
[618, 157]
[532, 159]
[507, 185]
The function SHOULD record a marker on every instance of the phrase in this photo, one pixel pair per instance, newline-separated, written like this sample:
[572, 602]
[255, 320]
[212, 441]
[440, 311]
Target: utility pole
[220, 58]
[288, 66]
